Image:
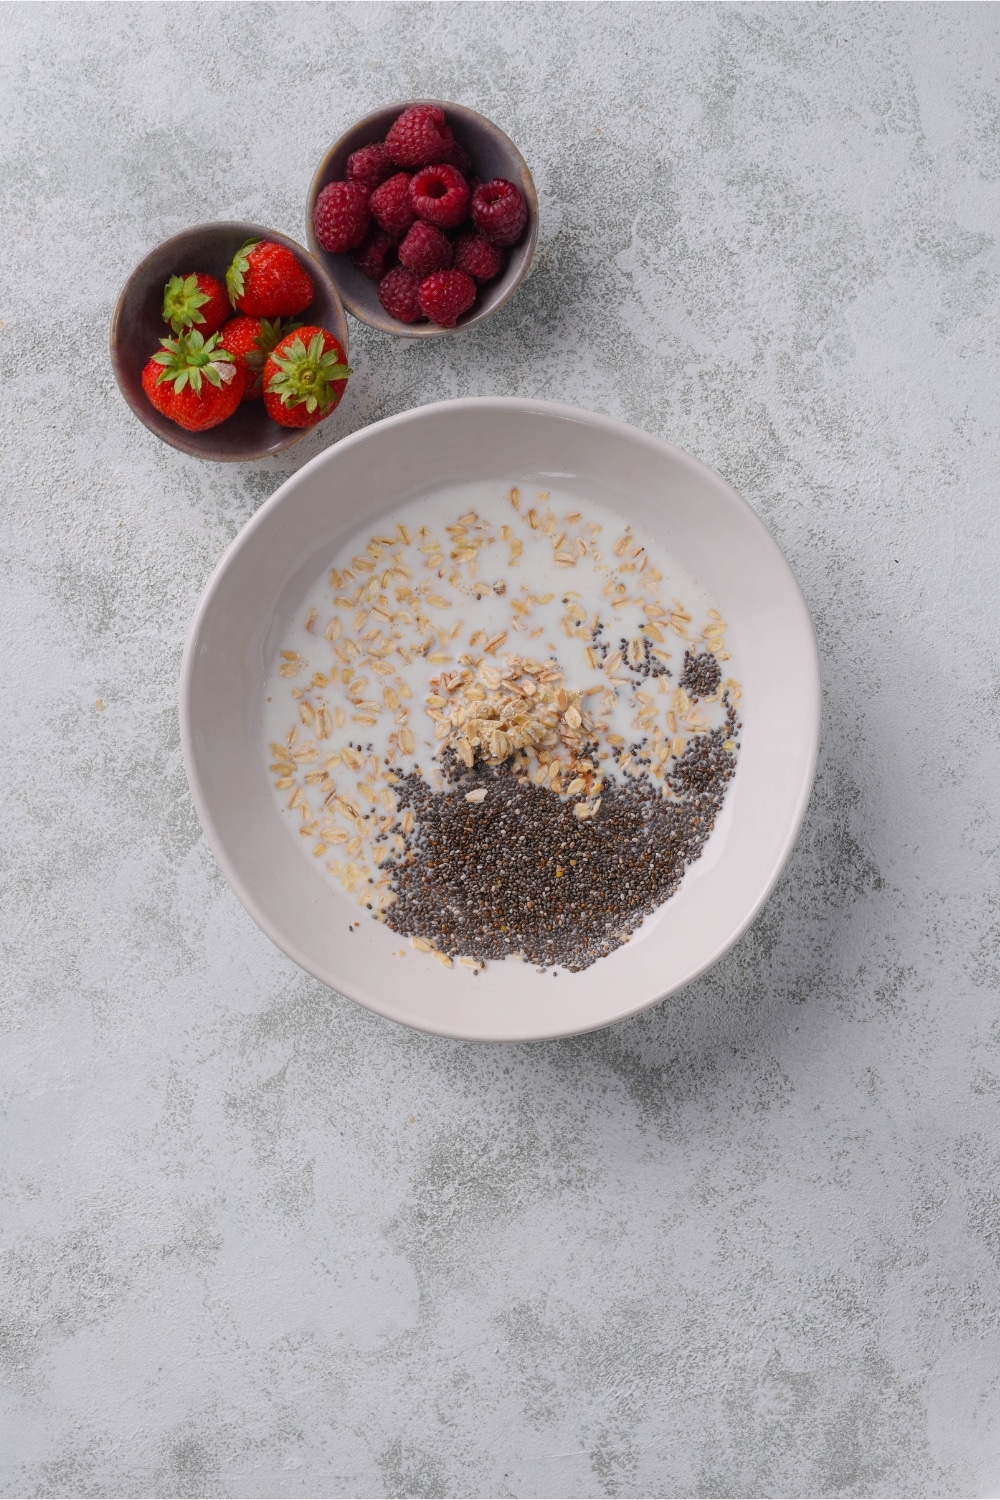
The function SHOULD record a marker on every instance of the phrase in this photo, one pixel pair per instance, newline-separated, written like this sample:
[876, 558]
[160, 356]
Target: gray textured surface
[258, 1242]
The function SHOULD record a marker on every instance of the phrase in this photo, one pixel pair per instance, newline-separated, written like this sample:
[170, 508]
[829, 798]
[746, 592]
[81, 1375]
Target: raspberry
[477, 257]
[460, 158]
[340, 217]
[445, 295]
[419, 136]
[425, 249]
[440, 195]
[369, 167]
[390, 205]
[398, 292]
[375, 254]
[499, 211]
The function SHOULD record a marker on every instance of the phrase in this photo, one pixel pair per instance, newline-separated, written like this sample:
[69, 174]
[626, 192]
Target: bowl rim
[181, 440]
[810, 708]
[528, 245]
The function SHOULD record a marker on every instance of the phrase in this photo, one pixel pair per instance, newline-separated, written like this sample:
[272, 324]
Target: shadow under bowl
[493, 155]
[137, 326]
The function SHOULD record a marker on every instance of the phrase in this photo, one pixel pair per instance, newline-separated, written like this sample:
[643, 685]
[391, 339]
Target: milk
[456, 599]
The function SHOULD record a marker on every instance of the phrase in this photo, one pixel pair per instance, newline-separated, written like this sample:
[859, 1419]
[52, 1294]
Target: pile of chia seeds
[518, 873]
[701, 674]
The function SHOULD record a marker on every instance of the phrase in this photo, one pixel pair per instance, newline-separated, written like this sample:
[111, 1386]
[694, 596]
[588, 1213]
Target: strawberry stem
[306, 375]
[189, 358]
[181, 300]
[238, 269]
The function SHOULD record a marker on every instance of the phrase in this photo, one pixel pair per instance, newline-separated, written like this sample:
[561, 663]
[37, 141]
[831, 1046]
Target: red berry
[375, 254]
[267, 281]
[195, 301]
[369, 166]
[304, 377]
[250, 341]
[440, 195]
[477, 257]
[445, 295]
[341, 216]
[399, 294]
[419, 136]
[197, 384]
[460, 158]
[499, 211]
[197, 411]
[390, 205]
[159, 391]
[425, 249]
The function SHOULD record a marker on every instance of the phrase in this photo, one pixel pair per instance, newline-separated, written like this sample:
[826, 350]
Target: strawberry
[195, 301]
[193, 382]
[304, 377]
[266, 281]
[250, 341]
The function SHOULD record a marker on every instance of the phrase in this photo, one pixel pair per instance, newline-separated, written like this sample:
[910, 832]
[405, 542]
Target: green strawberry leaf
[238, 269]
[305, 376]
[182, 298]
[188, 357]
[269, 337]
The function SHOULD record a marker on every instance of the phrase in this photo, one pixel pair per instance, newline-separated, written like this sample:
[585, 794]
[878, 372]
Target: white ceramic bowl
[261, 581]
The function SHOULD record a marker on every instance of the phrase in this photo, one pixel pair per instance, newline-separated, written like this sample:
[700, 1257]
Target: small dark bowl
[137, 327]
[493, 155]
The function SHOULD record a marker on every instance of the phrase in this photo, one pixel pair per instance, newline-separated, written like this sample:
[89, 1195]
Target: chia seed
[701, 675]
[650, 666]
[519, 873]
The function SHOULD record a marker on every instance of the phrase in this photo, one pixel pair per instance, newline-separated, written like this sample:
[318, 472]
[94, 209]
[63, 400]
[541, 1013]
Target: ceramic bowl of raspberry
[177, 308]
[425, 216]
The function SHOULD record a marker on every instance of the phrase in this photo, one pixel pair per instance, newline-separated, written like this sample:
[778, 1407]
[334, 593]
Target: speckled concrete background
[258, 1242]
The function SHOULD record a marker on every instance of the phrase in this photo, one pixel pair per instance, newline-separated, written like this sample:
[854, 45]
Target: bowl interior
[138, 326]
[262, 579]
[494, 155]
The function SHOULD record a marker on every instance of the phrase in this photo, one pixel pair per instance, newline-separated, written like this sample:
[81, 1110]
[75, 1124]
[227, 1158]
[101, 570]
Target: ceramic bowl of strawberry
[425, 217]
[211, 316]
